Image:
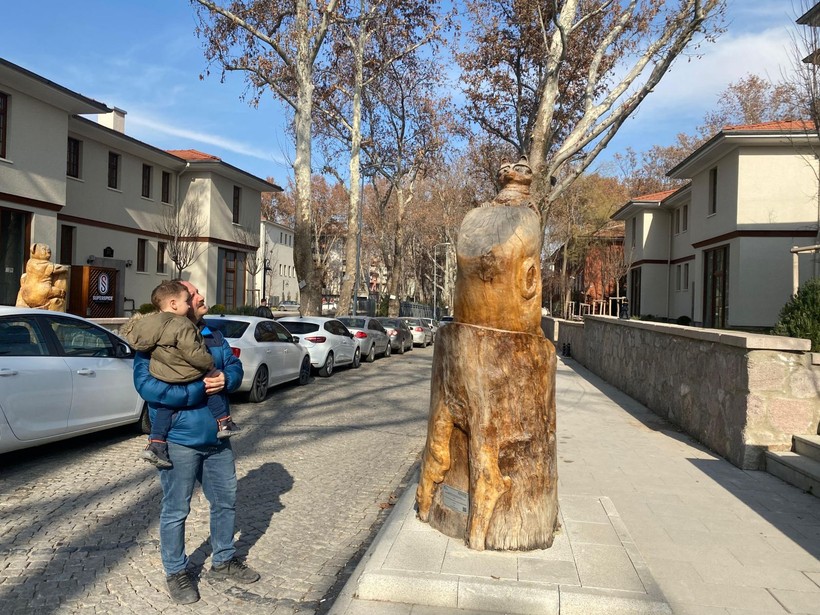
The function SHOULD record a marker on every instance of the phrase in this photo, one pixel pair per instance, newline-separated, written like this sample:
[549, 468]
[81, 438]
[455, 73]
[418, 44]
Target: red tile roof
[192, 154]
[783, 126]
[655, 196]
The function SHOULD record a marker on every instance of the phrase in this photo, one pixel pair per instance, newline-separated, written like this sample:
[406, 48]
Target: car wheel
[304, 371]
[371, 356]
[389, 350]
[357, 358]
[145, 420]
[327, 369]
[259, 388]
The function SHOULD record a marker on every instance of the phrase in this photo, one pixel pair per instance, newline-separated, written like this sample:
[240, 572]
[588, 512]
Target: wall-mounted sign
[103, 289]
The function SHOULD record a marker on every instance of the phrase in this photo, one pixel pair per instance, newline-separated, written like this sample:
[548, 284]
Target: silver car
[327, 340]
[401, 338]
[62, 376]
[422, 335]
[267, 350]
[373, 339]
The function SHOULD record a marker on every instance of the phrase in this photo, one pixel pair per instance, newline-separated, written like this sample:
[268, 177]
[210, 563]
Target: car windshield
[412, 321]
[299, 328]
[228, 328]
[389, 321]
[356, 323]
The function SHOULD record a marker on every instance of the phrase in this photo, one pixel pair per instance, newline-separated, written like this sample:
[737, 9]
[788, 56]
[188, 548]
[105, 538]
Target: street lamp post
[435, 274]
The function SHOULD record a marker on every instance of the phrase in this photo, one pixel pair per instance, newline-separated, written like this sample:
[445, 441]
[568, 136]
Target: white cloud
[224, 143]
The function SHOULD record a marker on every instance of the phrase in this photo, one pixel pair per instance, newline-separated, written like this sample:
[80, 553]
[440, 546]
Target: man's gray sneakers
[235, 570]
[181, 588]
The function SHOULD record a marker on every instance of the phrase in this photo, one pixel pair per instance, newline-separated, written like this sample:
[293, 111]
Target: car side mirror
[123, 351]
[294, 339]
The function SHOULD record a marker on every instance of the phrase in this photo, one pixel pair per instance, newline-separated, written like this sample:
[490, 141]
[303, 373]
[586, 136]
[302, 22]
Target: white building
[279, 282]
[718, 250]
[99, 197]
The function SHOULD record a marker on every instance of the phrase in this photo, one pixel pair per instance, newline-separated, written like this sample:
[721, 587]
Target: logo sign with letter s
[102, 284]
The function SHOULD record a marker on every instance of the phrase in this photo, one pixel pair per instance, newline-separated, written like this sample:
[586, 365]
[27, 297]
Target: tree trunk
[489, 466]
[310, 295]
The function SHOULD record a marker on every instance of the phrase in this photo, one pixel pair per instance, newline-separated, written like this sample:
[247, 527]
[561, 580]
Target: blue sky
[142, 56]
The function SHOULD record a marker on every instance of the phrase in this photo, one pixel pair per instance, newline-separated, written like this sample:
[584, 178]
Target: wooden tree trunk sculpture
[489, 466]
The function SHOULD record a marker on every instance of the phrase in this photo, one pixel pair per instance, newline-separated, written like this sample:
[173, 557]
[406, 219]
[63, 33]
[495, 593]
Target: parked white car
[327, 340]
[432, 325]
[267, 350]
[62, 376]
[422, 335]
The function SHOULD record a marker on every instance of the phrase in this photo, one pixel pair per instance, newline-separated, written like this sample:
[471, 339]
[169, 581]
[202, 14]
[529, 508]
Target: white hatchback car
[62, 376]
[267, 350]
[328, 341]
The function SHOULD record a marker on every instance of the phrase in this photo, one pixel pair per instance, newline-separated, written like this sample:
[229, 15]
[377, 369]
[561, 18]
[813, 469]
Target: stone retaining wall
[737, 393]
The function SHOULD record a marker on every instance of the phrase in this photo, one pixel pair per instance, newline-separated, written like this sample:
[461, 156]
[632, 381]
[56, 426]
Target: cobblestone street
[317, 467]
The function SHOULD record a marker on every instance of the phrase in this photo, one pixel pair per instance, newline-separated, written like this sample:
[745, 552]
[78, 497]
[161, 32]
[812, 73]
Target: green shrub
[245, 310]
[684, 320]
[146, 308]
[800, 317]
[218, 309]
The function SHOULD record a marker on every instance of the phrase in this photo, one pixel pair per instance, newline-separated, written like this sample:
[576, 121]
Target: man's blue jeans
[213, 467]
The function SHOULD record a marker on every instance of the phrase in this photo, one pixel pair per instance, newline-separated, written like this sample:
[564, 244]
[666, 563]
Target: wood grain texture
[491, 431]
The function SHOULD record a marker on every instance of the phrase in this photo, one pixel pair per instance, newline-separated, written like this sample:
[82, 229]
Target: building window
[634, 230]
[67, 244]
[237, 196]
[685, 276]
[166, 187]
[4, 122]
[677, 221]
[677, 277]
[147, 171]
[73, 158]
[142, 245]
[161, 257]
[684, 218]
[113, 170]
[712, 191]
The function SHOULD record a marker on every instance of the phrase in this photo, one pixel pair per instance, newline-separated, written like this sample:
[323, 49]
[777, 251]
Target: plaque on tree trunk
[491, 431]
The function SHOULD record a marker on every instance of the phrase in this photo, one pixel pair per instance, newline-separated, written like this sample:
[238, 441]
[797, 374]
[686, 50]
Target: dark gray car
[401, 338]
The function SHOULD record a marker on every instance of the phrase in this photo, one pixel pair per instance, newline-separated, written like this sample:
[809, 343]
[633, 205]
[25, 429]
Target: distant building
[594, 276]
[280, 282]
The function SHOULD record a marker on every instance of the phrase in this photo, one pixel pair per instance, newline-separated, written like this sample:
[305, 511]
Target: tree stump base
[491, 434]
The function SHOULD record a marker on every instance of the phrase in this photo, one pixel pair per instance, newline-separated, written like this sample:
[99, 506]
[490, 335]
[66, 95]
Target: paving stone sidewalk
[645, 509]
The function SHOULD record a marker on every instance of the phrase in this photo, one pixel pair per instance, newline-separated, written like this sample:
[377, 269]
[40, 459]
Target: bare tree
[183, 227]
[402, 28]
[275, 44]
[254, 260]
[557, 80]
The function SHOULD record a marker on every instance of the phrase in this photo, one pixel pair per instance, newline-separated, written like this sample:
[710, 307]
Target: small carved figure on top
[44, 283]
[514, 179]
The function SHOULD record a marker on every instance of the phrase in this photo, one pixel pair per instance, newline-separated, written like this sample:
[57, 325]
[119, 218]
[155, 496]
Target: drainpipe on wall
[669, 263]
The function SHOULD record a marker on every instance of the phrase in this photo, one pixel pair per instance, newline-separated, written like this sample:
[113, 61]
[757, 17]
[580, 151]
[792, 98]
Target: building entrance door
[13, 251]
[716, 287]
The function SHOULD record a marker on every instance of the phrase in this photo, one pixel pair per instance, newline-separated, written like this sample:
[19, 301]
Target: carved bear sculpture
[44, 283]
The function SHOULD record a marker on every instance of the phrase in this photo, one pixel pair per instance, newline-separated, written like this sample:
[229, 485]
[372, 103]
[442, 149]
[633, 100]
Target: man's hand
[214, 382]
